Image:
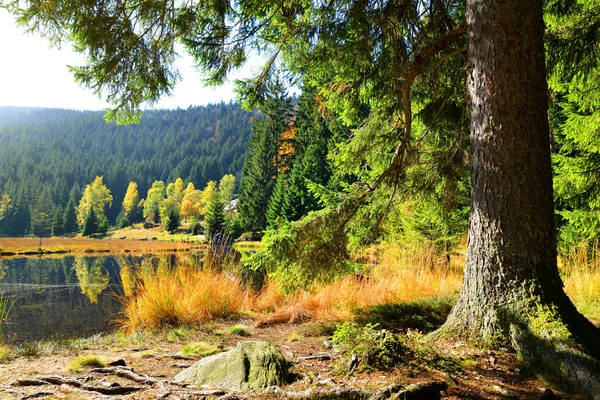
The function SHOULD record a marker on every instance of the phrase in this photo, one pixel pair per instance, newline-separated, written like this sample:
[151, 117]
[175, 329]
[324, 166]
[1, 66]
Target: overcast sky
[33, 74]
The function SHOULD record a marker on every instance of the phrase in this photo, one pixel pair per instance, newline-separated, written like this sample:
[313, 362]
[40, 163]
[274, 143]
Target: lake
[67, 297]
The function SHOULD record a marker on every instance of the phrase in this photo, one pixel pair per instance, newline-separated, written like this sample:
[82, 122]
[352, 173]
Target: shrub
[368, 347]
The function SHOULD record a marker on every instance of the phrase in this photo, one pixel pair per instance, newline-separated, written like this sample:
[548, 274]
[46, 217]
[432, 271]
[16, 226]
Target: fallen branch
[59, 380]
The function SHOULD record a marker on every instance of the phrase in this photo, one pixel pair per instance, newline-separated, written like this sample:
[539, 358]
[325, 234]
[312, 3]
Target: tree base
[560, 348]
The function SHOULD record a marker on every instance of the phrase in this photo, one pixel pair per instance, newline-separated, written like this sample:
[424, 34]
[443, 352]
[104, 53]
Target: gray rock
[251, 365]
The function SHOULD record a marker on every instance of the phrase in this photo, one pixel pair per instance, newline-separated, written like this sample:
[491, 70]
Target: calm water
[64, 297]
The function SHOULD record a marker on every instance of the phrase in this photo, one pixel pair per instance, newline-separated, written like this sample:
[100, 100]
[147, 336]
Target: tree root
[419, 391]
[36, 395]
[562, 363]
[117, 390]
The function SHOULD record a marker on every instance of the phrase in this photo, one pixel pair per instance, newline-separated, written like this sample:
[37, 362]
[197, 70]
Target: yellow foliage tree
[96, 196]
[226, 188]
[5, 205]
[131, 201]
[155, 196]
[191, 205]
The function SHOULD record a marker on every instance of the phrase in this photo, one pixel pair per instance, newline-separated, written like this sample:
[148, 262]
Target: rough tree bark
[512, 242]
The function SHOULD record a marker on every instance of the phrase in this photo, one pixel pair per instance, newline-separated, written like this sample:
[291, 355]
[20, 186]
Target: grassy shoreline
[18, 247]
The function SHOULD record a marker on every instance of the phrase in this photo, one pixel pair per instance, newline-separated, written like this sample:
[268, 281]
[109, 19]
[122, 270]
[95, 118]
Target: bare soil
[482, 375]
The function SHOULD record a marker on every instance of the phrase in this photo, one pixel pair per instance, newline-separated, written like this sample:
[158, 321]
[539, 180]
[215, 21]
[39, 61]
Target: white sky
[33, 74]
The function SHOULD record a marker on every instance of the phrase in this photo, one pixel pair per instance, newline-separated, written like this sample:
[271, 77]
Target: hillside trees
[65, 150]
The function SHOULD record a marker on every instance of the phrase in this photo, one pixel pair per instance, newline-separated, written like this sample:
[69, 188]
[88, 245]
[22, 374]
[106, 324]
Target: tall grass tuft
[580, 270]
[180, 295]
[398, 274]
[6, 305]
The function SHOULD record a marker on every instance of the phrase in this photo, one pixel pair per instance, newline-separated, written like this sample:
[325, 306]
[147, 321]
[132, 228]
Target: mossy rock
[251, 365]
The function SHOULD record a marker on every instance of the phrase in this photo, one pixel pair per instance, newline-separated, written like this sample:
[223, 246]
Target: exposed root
[419, 391]
[117, 390]
[128, 374]
[36, 395]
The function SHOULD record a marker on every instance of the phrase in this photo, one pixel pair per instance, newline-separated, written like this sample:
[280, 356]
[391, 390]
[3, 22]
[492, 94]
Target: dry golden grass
[184, 295]
[580, 270]
[79, 244]
[398, 275]
[187, 295]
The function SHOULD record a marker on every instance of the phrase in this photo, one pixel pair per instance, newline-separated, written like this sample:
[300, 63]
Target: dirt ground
[482, 374]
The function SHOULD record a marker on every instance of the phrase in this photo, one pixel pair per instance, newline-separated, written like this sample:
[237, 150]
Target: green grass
[202, 349]
[239, 330]
[6, 354]
[80, 363]
[179, 333]
[294, 336]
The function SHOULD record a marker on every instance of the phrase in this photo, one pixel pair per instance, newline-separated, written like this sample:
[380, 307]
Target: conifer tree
[275, 207]
[214, 217]
[90, 224]
[70, 218]
[58, 223]
[260, 167]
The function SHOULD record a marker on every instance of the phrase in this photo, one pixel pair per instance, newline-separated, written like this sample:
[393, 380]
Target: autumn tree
[130, 204]
[5, 206]
[96, 196]
[155, 196]
[191, 205]
[170, 207]
[227, 188]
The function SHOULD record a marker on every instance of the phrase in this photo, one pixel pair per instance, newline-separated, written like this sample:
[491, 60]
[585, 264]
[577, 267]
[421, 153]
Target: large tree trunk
[511, 257]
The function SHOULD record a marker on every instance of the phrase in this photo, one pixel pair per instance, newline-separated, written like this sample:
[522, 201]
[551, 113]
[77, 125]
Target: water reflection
[64, 297]
[72, 296]
[93, 279]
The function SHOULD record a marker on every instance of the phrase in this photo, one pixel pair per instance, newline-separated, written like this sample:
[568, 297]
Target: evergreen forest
[48, 156]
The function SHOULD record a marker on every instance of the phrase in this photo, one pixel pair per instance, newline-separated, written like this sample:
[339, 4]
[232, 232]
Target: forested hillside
[48, 156]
